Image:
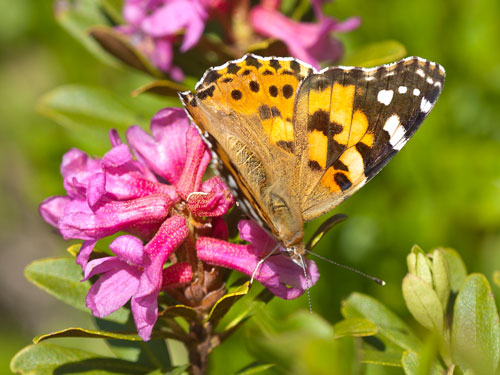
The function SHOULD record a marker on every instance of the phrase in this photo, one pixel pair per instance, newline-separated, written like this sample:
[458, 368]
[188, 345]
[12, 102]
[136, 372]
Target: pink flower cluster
[154, 25]
[157, 199]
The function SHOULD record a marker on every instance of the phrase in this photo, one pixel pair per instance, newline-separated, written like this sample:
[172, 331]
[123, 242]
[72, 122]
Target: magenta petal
[197, 160]
[214, 200]
[115, 216]
[163, 53]
[293, 275]
[134, 185]
[251, 232]
[96, 189]
[129, 249]
[52, 209]
[76, 169]
[309, 42]
[277, 273]
[225, 254]
[114, 137]
[177, 275]
[102, 265]
[168, 238]
[219, 228]
[175, 16]
[117, 156]
[83, 255]
[145, 315]
[165, 152]
[112, 290]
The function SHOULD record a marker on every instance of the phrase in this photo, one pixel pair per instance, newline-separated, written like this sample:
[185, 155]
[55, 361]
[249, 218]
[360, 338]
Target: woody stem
[199, 347]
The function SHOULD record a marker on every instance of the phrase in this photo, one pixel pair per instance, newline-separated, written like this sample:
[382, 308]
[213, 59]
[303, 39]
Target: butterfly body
[293, 143]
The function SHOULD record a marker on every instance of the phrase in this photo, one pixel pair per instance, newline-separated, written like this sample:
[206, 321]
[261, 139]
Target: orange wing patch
[258, 87]
[335, 128]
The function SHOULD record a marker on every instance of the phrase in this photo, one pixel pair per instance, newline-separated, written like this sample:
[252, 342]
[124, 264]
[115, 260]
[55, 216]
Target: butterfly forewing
[245, 110]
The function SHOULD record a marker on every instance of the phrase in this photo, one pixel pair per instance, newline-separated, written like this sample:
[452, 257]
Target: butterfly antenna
[308, 284]
[377, 280]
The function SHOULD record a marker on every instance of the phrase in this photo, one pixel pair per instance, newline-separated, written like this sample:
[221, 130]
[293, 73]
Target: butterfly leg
[262, 261]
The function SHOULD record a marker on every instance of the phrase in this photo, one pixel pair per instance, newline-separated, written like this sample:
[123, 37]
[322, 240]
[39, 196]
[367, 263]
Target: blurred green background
[443, 189]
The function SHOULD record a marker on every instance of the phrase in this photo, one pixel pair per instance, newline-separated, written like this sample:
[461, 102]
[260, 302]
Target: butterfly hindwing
[355, 121]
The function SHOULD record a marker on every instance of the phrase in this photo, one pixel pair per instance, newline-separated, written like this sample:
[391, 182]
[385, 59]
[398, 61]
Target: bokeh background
[443, 189]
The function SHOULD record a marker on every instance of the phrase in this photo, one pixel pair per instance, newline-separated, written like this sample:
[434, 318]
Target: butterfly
[293, 142]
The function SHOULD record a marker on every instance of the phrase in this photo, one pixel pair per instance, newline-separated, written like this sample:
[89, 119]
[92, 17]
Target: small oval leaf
[82, 332]
[423, 303]
[224, 304]
[441, 277]
[47, 359]
[382, 358]
[183, 311]
[354, 327]
[388, 324]
[475, 333]
[456, 266]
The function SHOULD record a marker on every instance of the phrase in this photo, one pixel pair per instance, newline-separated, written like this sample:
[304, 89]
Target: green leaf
[376, 54]
[423, 268]
[149, 353]
[61, 277]
[475, 332]
[441, 277]
[76, 17]
[223, 305]
[388, 324]
[414, 365]
[354, 327]
[77, 107]
[423, 303]
[456, 266]
[82, 332]
[49, 359]
[186, 312]
[383, 358]
[118, 45]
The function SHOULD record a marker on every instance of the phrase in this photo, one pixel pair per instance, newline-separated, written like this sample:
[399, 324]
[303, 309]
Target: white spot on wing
[425, 105]
[395, 130]
[385, 96]
[416, 92]
[402, 89]
[420, 72]
[429, 80]
[391, 124]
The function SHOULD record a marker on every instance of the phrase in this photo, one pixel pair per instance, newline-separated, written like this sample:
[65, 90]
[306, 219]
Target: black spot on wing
[232, 68]
[209, 92]
[211, 77]
[342, 180]
[273, 63]
[287, 91]
[264, 112]
[252, 61]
